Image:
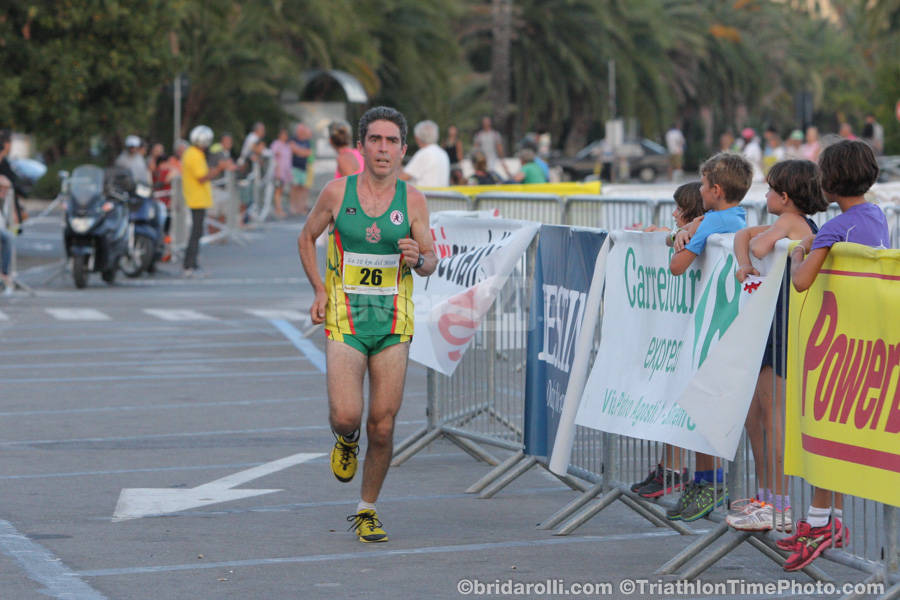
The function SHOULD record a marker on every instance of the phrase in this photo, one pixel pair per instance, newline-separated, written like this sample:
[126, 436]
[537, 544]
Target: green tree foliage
[75, 69]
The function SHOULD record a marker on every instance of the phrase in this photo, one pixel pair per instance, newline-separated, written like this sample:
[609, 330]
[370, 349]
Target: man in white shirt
[257, 133]
[675, 145]
[430, 166]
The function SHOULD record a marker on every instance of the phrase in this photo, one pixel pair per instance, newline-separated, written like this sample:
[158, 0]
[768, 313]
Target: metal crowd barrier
[543, 208]
[482, 404]
[438, 201]
[609, 213]
[229, 230]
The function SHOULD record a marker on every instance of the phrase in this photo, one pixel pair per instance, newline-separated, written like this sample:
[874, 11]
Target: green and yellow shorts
[369, 345]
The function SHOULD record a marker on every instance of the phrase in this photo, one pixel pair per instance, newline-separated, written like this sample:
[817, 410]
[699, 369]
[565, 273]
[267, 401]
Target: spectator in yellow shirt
[195, 184]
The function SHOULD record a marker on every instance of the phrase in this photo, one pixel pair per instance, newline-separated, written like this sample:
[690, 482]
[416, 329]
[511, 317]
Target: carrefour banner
[679, 355]
[843, 403]
[562, 278]
[476, 256]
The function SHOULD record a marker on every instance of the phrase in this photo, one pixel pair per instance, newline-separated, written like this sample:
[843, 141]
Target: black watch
[420, 262]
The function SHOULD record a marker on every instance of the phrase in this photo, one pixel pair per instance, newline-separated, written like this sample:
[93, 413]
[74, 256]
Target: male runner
[377, 233]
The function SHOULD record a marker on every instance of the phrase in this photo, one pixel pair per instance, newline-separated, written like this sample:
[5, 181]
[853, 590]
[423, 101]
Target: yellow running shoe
[343, 458]
[368, 527]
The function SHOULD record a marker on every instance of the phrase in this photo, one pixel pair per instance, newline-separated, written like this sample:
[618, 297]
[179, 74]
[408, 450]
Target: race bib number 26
[373, 274]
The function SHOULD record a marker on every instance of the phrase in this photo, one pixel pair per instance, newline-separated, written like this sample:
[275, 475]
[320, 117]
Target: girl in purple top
[848, 171]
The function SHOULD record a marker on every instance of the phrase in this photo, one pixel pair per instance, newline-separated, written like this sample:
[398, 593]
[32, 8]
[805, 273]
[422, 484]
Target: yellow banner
[558, 189]
[843, 399]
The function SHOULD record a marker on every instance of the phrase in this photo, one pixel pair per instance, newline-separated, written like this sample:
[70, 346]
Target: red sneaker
[817, 540]
[791, 543]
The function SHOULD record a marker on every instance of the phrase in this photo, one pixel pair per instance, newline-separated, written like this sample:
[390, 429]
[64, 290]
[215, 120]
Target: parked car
[646, 160]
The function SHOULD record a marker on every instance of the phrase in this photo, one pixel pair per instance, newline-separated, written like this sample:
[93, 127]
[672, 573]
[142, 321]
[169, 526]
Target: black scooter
[145, 233]
[96, 233]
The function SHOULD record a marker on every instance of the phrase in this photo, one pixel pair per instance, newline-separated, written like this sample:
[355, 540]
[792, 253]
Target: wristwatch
[420, 262]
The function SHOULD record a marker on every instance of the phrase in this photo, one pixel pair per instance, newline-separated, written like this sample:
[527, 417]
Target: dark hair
[5, 136]
[732, 172]
[382, 113]
[848, 168]
[688, 199]
[801, 180]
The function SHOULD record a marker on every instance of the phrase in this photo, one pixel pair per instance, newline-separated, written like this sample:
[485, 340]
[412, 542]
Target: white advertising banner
[679, 355]
[475, 257]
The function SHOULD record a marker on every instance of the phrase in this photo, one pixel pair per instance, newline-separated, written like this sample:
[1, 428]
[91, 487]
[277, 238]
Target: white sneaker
[754, 515]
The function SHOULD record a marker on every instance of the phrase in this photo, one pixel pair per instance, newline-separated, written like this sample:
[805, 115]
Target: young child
[669, 475]
[848, 171]
[794, 191]
[724, 179]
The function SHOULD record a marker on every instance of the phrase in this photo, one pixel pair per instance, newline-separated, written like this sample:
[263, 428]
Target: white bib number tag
[373, 274]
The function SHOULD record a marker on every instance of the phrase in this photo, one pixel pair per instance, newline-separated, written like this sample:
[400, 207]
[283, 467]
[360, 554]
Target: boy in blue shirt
[724, 180]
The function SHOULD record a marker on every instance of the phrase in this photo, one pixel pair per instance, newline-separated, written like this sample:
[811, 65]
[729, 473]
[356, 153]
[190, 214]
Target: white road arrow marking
[135, 503]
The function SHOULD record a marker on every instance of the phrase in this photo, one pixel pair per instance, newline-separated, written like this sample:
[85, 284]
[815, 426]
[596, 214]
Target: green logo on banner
[724, 310]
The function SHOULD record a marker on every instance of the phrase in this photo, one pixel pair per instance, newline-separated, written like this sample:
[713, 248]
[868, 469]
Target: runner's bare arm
[419, 242]
[320, 217]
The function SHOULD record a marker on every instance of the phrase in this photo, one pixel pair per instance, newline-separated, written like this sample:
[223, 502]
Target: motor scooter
[96, 231]
[146, 234]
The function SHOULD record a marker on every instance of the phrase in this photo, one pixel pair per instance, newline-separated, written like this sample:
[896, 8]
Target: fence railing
[482, 405]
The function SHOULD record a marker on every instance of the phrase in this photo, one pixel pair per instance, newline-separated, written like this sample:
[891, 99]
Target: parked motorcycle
[145, 232]
[96, 233]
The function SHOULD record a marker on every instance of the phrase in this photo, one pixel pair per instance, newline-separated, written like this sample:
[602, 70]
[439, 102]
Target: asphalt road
[162, 385]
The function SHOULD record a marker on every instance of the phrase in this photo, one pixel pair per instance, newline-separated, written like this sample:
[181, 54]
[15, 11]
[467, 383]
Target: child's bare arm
[684, 235]
[742, 253]
[681, 261]
[786, 226]
[805, 267]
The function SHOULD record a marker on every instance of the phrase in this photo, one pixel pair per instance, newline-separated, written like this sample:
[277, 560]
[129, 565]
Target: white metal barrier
[483, 404]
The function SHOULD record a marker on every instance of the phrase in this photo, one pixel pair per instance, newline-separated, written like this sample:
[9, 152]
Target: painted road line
[44, 568]
[158, 436]
[94, 363]
[77, 314]
[171, 406]
[313, 354]
[284, 315]
[135, 503]
[144, 350]
[355, 557]
[69, 474]
[156, 377]
[178, 314]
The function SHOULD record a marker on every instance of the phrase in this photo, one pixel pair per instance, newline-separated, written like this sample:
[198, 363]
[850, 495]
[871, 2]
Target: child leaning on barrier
[848, 170]
[688, 208]
[725, 179]
[794, 191]
[669, 475]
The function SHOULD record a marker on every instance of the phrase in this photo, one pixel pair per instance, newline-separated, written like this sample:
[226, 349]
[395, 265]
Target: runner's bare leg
[387, 376]
[346, 369]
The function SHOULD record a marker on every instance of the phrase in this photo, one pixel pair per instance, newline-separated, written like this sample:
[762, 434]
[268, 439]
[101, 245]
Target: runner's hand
[317, 311]
[410, 249]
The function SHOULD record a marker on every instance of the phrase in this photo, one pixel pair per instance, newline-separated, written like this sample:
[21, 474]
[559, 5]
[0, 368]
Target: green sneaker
[367, 526]
[687, 496]
[343, 458]
[707, 497]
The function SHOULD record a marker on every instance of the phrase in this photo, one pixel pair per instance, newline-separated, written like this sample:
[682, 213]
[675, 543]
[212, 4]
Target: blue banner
[562, 278]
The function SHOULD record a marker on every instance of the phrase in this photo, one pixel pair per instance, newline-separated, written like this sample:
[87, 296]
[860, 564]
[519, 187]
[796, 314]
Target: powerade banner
[672, 342]
[475, 258]
[562, 279]
[843, 397]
